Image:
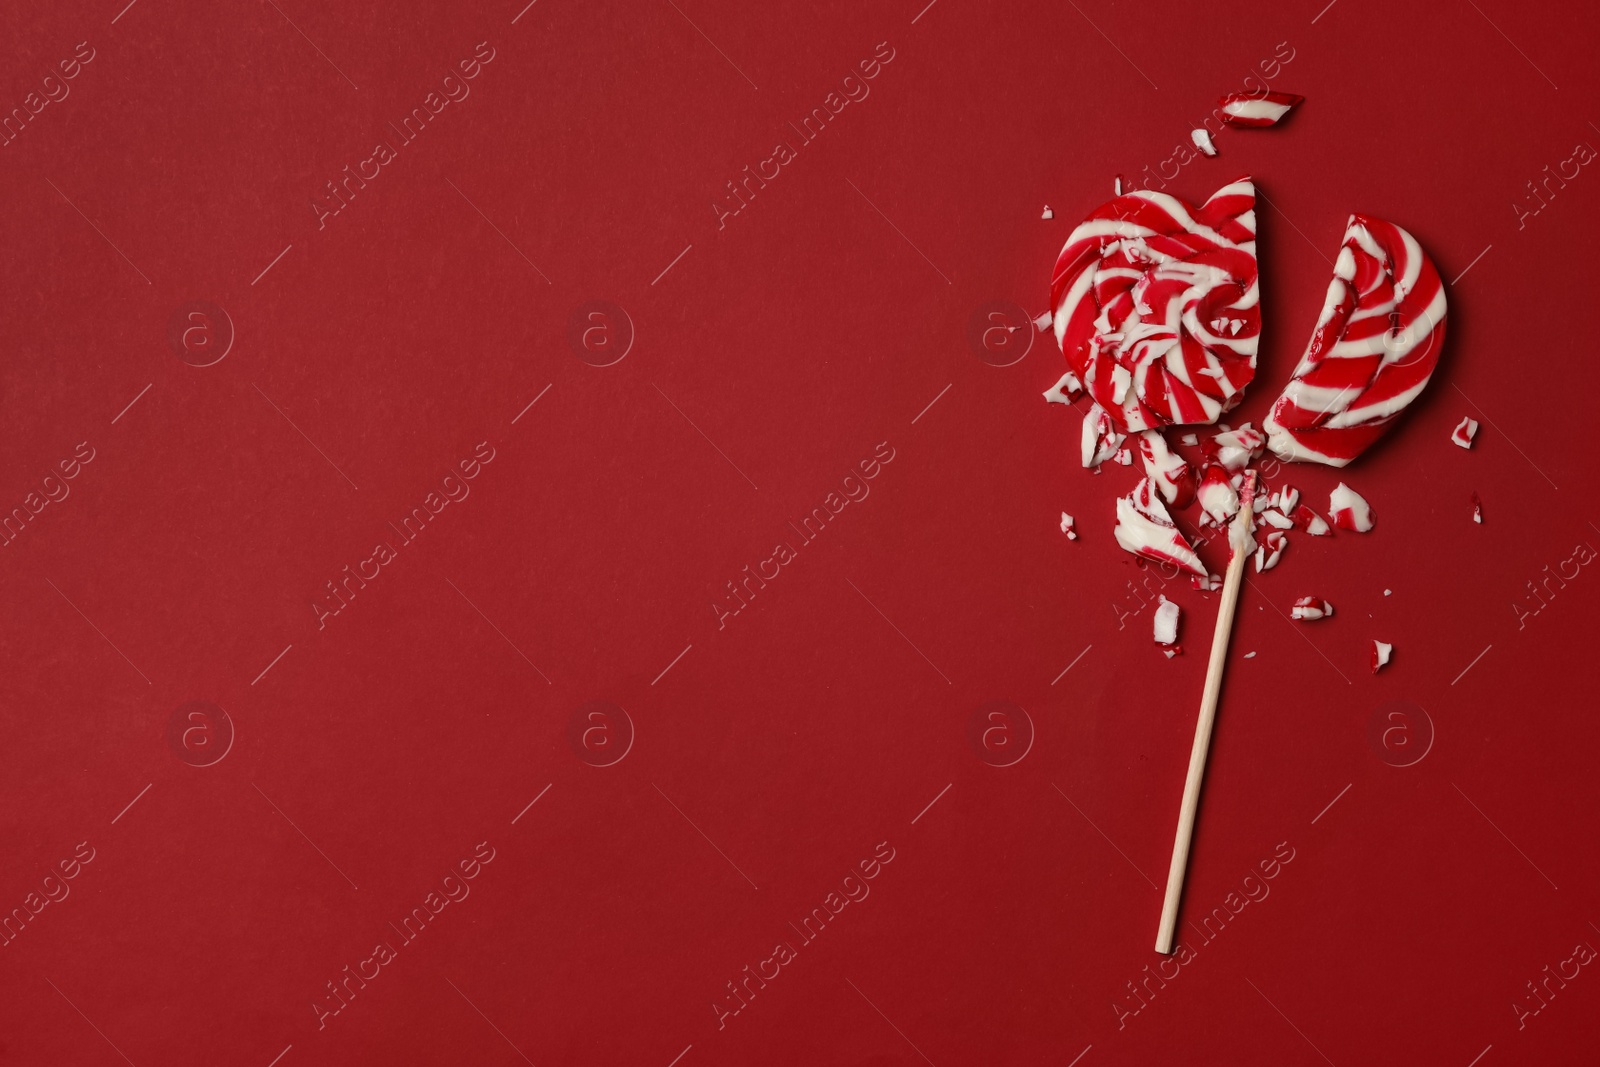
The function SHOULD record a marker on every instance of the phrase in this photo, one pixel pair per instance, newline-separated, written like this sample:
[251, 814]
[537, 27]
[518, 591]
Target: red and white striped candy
[1373, 350]
[1145, 529]
[1257, 109]
[1156, 307]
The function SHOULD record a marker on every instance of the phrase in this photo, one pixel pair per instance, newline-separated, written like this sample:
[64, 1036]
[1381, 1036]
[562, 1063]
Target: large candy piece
[1145, 529]
[1156, 306]
[1374, 348]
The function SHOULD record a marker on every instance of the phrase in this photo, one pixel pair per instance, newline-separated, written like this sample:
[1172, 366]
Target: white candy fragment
[1381, 651]
[1310, 608]
[1202, 141]
[1117, 185]
[1145, 529]
[1465, 432]
[1208, 584]
[1166, 622]
[1100, 437]
[1276, 519]
[1288, 496]
[1166, 469]
[1270, 550]
[1048, 214]
[1311, 522]
[1064, 391]
[1190, 439]
[1044, 322]
[1388, 592]
[1216, 494]
[1350, 511]
[1477, 508]
[1124, 457]
[1236, 448]
[1249, 655]
[1068, 527]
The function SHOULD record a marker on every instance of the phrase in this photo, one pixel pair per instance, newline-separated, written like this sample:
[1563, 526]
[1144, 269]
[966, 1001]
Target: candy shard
[1464, 433]
[1145, 529]
[1134, 292]
[1100, 438]
[1477, 508]
[1166, 469]
[1373, 350]
[1310, 608]
[1349, 509]
[1277, 519]
[1381, 651]
[1216, 494]
[1064, 391]
[1202, 141]
[1068, 527]
[1311, 522]
[1234, 449]
[1252, 110]
[1166, 622]
[1048, 214]
[1271, 550]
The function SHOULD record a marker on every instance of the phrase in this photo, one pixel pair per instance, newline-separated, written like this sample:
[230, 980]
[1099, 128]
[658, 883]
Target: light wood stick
[1241, 540]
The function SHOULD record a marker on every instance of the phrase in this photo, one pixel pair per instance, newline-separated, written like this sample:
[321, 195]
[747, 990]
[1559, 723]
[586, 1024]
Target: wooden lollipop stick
[1241, 540]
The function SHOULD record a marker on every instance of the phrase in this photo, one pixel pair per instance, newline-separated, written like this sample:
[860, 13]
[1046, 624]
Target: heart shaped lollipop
[1156, 308]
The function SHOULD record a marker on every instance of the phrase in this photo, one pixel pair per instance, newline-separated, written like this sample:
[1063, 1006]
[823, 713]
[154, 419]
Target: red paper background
[777, 353]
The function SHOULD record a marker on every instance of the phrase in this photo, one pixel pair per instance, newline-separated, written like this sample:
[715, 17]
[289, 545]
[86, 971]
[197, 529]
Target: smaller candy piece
[1124, 457]
[1254, 110]
[1271, 550]
[1048, 214]
[1381, 651]
[1311, 522]
[1388, 592]
[1216, 494]
[1276, 519]
[1350, 510]
[1288, 497]
[1249, 655]
[1236, 448]
[1145, 529]
[1477, 508]
[1190, 439]
[1167, 470]
[1206, 585]
[1465, 432]
[1166, 622]
[1100, 437]
[1175, 650]
[1202, 141]
[1116, 186]
[1044, 322]
[1064, 391]
[1068, 527]
[1310, 609]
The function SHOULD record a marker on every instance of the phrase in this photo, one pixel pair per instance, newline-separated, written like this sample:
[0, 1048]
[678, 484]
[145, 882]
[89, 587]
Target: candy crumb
[1166, 622]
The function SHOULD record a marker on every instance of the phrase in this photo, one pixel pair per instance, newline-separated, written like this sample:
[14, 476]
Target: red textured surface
[373, 754]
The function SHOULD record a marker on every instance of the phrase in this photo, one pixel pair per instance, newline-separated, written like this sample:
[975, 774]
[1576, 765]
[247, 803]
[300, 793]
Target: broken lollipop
[1372, 352]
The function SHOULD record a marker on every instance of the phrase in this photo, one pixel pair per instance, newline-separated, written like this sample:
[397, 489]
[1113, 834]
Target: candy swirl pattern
[1374, 348]
[1156, 306]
